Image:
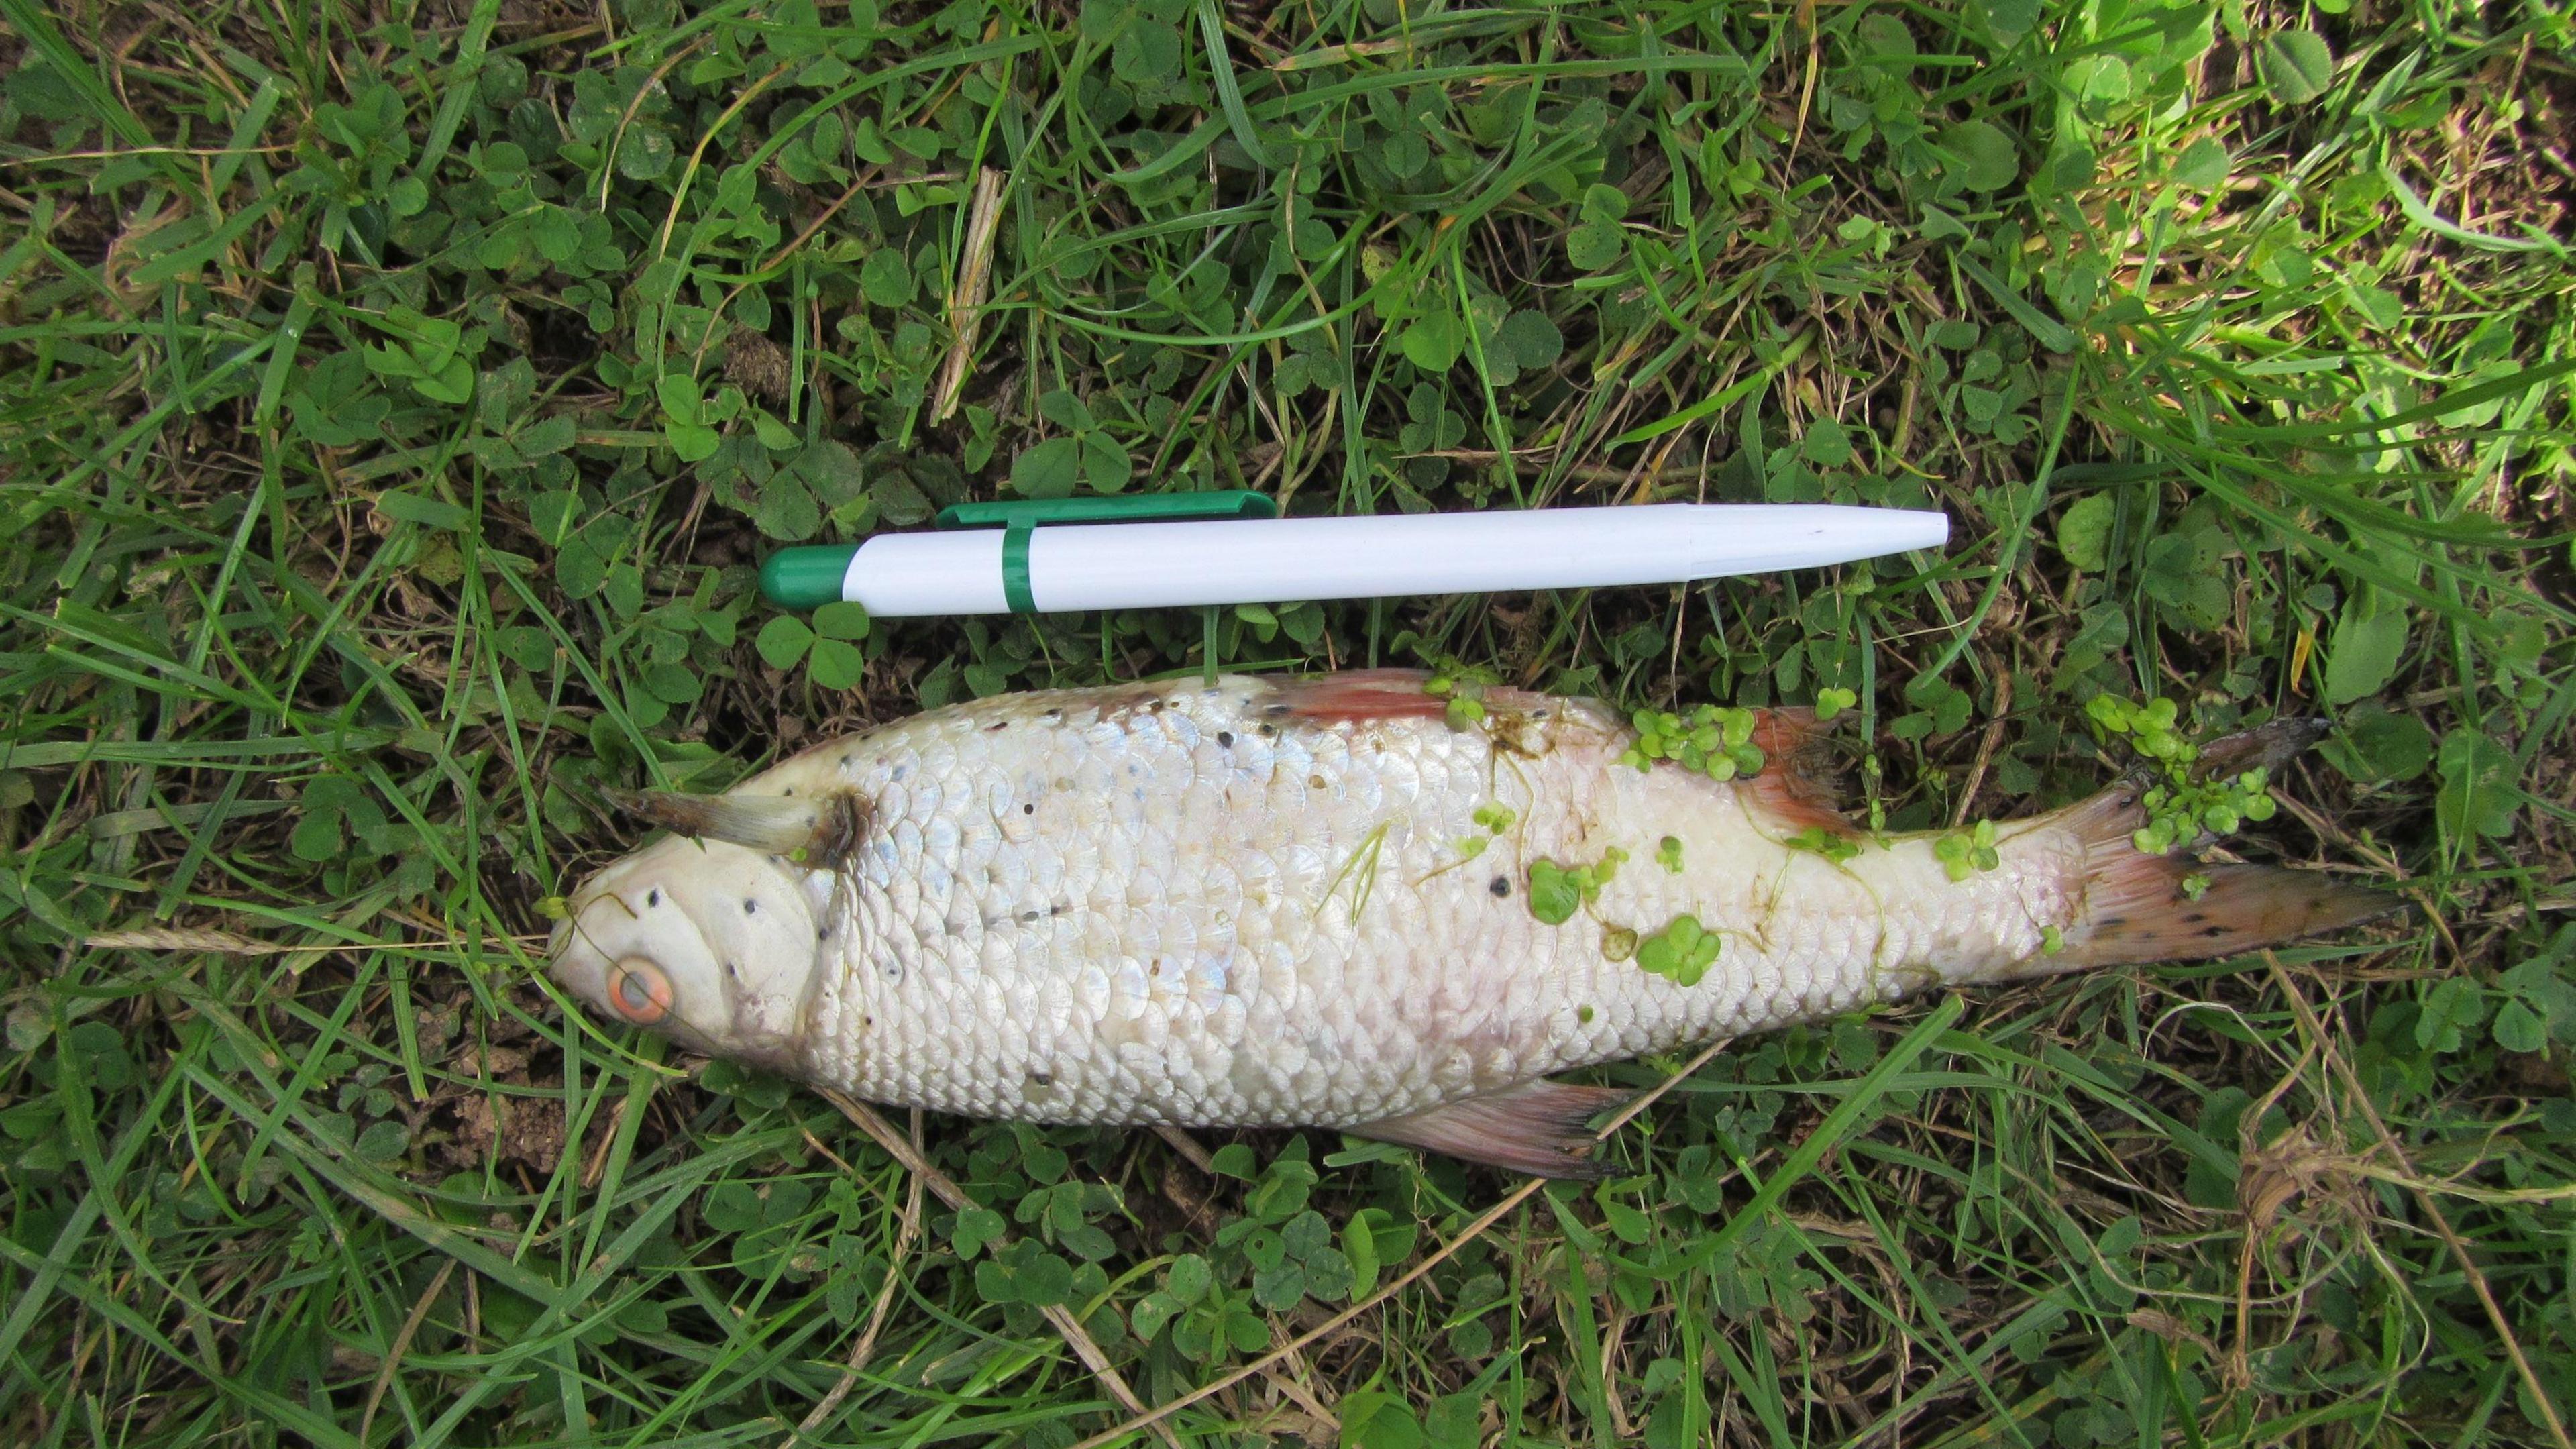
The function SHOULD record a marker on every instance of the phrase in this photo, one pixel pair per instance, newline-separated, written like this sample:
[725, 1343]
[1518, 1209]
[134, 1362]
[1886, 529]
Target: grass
[394, 401]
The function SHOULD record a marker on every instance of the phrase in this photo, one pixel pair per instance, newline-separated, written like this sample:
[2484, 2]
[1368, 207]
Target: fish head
[711, 944]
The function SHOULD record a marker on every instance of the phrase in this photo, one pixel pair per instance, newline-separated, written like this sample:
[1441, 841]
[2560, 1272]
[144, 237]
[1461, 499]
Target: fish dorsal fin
[1794, 785]
[1539, 1127]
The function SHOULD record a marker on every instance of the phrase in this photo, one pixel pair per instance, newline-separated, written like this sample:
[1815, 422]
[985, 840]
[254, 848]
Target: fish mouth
[778, 1054]
[560, 955]
[573, 962]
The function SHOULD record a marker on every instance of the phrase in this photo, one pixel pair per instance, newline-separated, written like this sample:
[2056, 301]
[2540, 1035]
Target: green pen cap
[812, 575]
[807, 577]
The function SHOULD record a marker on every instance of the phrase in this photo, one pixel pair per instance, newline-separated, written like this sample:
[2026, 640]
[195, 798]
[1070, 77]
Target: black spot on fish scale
[1500, 886]
[822, 933]
[1270, 729]
[1225, 739]
[653, 897]
[750, 907]
[1041, 1079]
[1029, 809]
[996, 726]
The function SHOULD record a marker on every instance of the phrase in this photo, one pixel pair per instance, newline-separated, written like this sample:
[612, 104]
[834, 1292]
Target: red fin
[2135, 907]
[1791, 787]
[1539, 1127]
[1358, 694]
[1788, 732]
[1361, 695]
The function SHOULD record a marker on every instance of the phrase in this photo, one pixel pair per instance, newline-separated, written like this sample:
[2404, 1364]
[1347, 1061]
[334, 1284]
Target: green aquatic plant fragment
[1556, 891]
[1963, 853]
[1711, 741]
[1680, 953]
[1817, 840]
[2179, 809]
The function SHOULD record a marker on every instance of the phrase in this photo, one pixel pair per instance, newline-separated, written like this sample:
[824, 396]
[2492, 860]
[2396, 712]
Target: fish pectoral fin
[813, 831]
[1541, 1128]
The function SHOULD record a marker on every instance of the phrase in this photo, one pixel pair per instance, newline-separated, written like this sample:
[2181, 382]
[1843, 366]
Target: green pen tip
[806, 578]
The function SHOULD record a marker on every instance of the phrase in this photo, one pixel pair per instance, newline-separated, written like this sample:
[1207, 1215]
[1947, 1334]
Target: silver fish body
[1310, 903]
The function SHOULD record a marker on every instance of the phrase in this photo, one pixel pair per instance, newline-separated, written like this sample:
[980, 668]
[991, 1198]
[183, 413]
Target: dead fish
[1338, 902]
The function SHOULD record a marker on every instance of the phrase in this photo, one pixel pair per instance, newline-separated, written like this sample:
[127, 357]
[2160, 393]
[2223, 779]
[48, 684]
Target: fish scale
[1259, 903]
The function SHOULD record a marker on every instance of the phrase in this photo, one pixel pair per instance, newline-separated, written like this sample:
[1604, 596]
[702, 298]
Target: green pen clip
[811, 576]
[1019, 519]
[1125, 508]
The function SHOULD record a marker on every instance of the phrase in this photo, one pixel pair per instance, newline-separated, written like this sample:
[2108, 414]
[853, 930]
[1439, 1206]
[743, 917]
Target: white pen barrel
[1149, 565]
[1078, 567]
[1145, 565]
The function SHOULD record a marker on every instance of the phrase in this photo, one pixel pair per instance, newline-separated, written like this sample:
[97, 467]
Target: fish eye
[639, 990]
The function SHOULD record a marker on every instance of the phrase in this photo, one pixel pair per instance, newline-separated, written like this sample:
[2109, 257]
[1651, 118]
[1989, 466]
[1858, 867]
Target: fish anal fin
[1789, 732]
[1798, 804]
[1539, 1127]
[1793, 786]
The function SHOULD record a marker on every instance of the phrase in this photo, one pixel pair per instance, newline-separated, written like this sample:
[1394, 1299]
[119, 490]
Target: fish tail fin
[2140, 907]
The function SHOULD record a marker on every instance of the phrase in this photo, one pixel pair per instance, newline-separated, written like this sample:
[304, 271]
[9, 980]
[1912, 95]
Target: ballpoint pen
[1055, 557]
